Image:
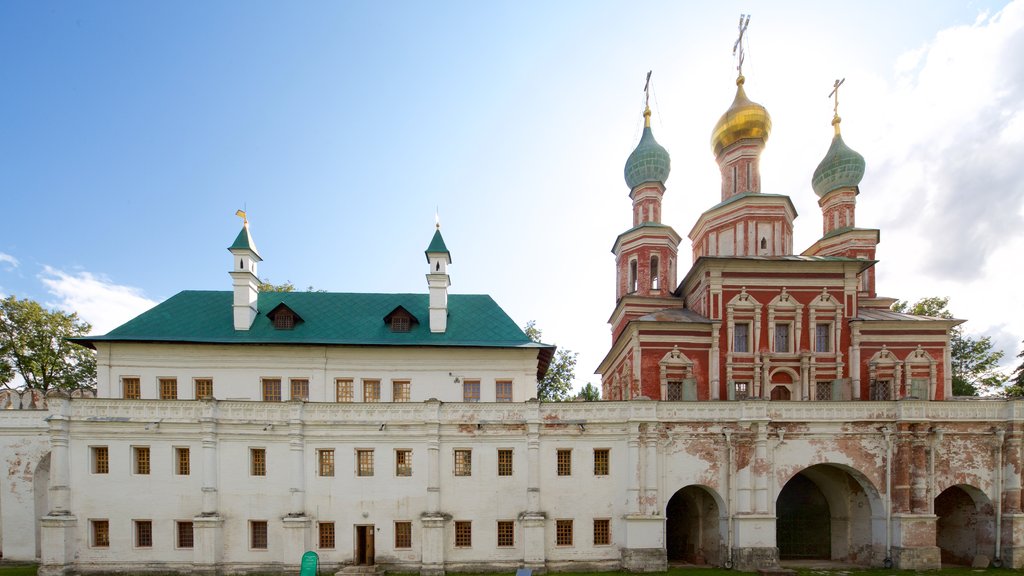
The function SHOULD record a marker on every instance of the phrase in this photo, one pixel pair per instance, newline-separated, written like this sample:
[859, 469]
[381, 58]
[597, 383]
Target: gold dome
[744, 119]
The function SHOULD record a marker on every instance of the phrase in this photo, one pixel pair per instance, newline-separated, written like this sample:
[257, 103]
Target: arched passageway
[829, 512]
[693, 527]
[966, 525]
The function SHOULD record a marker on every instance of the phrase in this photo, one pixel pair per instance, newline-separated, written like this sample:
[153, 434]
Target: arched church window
[654, 273]
[764, 243]
[632, 276]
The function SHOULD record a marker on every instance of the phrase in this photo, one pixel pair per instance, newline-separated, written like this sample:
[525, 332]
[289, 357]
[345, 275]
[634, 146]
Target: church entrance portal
[693, 527]
[825, 513]
[966, 525]
[364, 553]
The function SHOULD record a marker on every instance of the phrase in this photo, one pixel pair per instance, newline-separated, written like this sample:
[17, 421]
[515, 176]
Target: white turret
[244, 259]
[438, 282]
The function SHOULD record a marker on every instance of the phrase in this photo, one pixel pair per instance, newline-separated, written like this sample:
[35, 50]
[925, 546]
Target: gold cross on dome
[738, 45]
[835, 92]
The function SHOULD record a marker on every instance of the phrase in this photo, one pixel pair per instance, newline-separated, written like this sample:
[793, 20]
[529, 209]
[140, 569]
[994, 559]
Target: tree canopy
[556, 385]
[265, 285]
[1015, 387]
[589, 393]
[974, 360]
[34, 343]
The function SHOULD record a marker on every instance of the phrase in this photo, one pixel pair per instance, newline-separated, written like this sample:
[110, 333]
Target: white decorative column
[533, 520]
[297, 533]
[208, 526]
[58, 527]
[432, 521]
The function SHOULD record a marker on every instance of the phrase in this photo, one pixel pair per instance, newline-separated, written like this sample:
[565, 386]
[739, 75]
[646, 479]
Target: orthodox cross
[738, 46]
[835, 92]
[647, 90]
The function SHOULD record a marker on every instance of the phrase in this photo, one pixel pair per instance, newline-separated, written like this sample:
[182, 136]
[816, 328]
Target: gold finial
[835, 108]
[738, 45]
[647, 100]
[241, 214]
[437, 219]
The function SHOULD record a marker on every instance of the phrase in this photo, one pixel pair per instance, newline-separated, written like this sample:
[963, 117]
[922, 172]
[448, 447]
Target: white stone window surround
[674, 366]
[914, 363]
[785, 310]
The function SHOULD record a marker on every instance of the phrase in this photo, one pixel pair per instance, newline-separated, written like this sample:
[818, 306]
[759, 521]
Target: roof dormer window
[400, 320]
[283, 317]
[400, 324]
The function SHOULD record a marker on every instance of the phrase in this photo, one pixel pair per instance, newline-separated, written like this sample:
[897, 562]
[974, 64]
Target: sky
[131, 132]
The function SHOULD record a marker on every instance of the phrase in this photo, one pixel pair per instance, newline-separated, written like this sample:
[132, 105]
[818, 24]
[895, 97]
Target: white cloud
[97, 299]
[9, 260]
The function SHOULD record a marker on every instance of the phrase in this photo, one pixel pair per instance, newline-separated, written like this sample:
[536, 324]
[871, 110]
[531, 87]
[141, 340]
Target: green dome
[841, 167]
[648, 163]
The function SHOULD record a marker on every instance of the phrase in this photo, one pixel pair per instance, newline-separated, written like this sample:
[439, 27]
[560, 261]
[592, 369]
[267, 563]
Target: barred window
[258, 534]
[204, 388]
[463, 533]
[822, 337]
[403, 534]
[506, 533]
[823, 390]
[505, 462]
[140, 454]
[400, 390]
[675, 391]
[185, 538]
[100, 460]
[143, 533]
[371, 390]
[100, 533]
[742, 390]
[403, 462]
[879, 390]
[602, 532]
[299, 389]
[168, 388]
[271, 389]
[563, 532]
[284, 320]
[470, 390]
[325, 462]
[399, 323]
[601, 461]
[182, 461]
[132, 388]
[564, 459]
[258, 461]
[503, 391]
[364, 462]
[343, 390]
[463, 462]
[326, 536]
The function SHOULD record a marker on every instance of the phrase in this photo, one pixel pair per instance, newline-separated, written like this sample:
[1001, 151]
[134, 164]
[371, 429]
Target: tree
[265, 285]
[1015, 387]
[973, 360]
[34, 343]
[589, 393]
[556, 385]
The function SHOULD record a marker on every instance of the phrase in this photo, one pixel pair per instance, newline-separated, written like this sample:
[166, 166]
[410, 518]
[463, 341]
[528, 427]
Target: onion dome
[649, 162]
[744, 119]
[841, 167]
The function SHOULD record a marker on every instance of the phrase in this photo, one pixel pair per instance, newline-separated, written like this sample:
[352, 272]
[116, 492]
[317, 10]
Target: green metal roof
[244, 241]
[649, 162]
[842, 167]
[437, 246]
[331, 318]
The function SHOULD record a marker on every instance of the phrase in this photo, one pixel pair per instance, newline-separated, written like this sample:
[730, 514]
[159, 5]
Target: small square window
[258, 534]
[601, 461]
[271, 389]
[742, 390]
[143, 533]
[132, 388]
[564, 459]
[100, 533]
[258, 461]
[182, 461]
[168, 388]
[326, 536]
[343, 390]
[184, 533]
[505, 462]
[299, 389]
[100, 460]
[371, 390]
[471, 391]
[463, 462]
[284, 320]
[503, 391]
[602, 532]
[463, 534]
[563, 532]
[399, 323]
[364, 462]
[403, 534]
[400, 390]
[140, 457]
[506, 533]
[325, 462]
[204, 388]
[403, 462]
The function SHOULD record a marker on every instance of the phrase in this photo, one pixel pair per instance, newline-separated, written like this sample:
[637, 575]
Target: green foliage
[33, 343]
[589, 393]
[556, 385]
[1015, 387]
[265, 285]
[973, 360]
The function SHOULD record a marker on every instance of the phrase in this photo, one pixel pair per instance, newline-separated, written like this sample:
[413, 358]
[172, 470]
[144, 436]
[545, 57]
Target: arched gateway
[829, 512]
[694, 526]
[965, 526]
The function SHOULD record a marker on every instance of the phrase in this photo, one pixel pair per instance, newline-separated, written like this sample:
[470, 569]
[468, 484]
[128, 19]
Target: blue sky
[131, 132]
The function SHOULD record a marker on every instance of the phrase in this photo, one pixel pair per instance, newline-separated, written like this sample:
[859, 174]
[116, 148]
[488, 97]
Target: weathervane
[241, 214]
[835, 108]
[738, 46]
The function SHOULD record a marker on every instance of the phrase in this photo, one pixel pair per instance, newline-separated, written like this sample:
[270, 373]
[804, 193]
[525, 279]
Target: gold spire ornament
[738, 45]
[241, 214]
[835, 108]
[647, 100]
